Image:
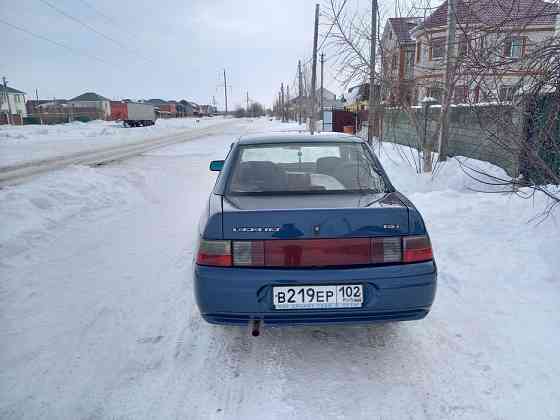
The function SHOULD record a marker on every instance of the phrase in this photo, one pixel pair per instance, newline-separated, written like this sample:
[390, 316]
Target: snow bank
[33, 210]
[458, 173]
[98, 317]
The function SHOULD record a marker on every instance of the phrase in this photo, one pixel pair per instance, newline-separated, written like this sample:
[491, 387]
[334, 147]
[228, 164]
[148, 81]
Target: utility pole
[372, 103]
[288, 103]
[9, 119]
[314, 71]
[225, 88]
[282, 102]
[449, 70]
[247, 99]
[36, 108]
[300, 88]
[322, 95]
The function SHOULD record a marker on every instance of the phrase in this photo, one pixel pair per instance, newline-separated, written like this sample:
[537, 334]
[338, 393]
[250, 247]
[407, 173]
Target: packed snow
[19, 144]
[98, 320]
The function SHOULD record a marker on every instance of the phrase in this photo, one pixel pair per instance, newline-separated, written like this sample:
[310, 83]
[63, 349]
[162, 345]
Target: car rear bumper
[235, 295]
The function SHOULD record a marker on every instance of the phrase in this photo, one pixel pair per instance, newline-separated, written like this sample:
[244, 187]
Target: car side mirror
[216, 165]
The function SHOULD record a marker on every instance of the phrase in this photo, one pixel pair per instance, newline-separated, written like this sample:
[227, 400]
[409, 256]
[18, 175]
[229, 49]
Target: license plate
[318, 297]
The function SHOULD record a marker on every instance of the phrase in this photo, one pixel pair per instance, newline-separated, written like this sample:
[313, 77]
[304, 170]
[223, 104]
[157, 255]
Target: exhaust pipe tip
[255, 327]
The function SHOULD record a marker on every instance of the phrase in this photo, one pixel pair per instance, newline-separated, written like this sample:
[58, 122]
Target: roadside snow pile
[20, 144]
[455, 174]
[31, 211]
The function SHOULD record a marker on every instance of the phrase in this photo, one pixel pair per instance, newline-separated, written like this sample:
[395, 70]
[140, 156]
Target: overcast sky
[169, 49]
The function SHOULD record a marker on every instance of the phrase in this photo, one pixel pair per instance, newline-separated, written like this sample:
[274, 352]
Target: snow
[26, 143]
[98, 320]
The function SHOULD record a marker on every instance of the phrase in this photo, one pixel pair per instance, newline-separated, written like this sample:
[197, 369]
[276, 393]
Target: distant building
[12, 101]
[207, 110]
[357, 97]
[92, 101]
[164, 109]
[188, 108]
[329, 100]
[155, 102]
[43, 105]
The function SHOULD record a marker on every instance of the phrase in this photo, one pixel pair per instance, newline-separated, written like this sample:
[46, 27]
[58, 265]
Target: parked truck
[139, 115]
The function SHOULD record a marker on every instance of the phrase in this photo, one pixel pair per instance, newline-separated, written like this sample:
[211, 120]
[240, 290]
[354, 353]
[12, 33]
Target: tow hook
[255, 326]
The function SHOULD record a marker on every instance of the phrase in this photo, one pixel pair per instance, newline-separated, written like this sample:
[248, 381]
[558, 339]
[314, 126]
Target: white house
[12, 101]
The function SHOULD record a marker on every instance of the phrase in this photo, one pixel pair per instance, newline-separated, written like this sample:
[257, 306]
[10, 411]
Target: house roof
[497, 13]
[89, 97]
[156, 102]
[402, 27]
[10, 90]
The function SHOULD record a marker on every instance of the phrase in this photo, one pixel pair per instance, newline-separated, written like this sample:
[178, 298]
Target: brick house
[397, 60]
[493, 40]
[491, 31]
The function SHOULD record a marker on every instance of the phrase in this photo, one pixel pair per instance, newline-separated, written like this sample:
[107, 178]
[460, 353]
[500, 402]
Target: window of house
[481, 42]
[409, 64]
[464, 46]
[506, 93]
[435, 92]
[513, 47]
[461, 94]
[437, 48]
[390, 34]
[394, 62]
[418, 51]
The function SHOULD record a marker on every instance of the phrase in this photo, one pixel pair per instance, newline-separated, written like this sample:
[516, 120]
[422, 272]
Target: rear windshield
[305, 168]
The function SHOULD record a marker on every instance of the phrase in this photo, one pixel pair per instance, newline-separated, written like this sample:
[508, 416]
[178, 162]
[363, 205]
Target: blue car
[307, 229]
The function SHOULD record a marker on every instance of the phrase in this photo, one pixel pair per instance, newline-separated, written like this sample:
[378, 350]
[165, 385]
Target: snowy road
[99, 153]
[97, 319]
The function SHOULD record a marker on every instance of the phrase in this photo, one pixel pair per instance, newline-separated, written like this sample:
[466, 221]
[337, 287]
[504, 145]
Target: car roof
[297, 137]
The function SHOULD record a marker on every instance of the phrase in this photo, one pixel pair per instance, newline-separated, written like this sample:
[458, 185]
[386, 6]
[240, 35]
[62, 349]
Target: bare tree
[349, 42]
[520, 113]
[504, 75]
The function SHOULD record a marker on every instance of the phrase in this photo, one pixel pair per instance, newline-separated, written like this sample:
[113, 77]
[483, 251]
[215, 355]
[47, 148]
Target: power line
[129, 36]
[89, 27]
[96, 10]
[59, 44]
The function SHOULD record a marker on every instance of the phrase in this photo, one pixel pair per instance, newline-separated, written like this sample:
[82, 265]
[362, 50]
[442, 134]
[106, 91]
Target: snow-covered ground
[97, 318]
[20, 144]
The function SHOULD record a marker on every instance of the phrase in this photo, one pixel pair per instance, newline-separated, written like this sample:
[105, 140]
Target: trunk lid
[314, 216]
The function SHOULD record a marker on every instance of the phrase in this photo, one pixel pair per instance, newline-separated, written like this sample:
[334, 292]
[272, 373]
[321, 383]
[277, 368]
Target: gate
[343, 119]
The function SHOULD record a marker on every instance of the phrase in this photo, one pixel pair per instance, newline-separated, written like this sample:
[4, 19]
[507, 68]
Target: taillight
[386, 250]
[214, 253]
[417, 249]
[315, 252]
[248, 253]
